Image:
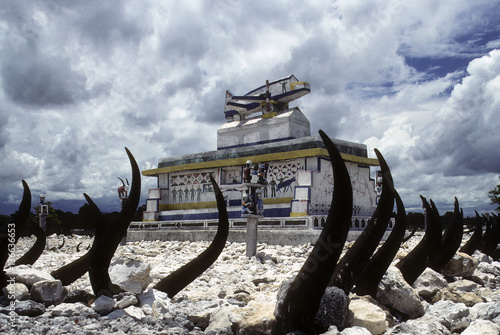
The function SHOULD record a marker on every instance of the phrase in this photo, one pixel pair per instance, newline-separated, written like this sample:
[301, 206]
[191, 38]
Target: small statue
[123, 189]
[246, 172]
[255, 174]
[247, 204]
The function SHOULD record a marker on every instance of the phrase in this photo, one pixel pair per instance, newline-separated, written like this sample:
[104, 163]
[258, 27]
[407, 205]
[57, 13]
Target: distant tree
[415, 219]
[494, 195]
[447, 219]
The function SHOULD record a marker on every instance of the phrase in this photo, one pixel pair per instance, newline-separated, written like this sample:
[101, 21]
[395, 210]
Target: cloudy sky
[81, 80]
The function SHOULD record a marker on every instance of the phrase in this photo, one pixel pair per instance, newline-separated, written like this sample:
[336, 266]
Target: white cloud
[80, 81]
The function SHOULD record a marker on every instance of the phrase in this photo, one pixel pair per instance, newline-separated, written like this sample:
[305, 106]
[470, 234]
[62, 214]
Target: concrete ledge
[275, 236]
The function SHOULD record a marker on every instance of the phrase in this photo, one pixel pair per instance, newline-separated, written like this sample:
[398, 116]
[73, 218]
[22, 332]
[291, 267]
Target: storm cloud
[82, 80]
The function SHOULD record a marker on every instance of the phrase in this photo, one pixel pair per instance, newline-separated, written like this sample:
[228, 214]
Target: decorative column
[43, 212]
[254, 178]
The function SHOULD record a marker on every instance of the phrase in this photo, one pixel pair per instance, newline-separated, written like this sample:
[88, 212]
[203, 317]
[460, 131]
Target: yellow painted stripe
[188, 205]
[296, 214]
[274, 201]
[257, 158]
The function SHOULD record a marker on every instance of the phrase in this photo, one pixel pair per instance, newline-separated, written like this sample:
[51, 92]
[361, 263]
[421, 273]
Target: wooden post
[251, 238]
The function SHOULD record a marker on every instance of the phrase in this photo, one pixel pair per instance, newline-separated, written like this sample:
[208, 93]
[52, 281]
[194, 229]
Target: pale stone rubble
[238, 295]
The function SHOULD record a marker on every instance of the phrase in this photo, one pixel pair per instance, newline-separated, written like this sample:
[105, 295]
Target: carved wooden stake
[251, 238]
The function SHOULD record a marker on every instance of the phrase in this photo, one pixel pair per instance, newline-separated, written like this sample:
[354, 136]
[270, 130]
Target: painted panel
[194, 186]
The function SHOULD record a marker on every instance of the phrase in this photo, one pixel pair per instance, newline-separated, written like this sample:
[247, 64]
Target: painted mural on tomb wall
[364, 195]
[282, 178]
[190, 187]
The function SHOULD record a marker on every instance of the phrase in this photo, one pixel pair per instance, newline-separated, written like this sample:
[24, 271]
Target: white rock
[220, 321]
[161, 309]
[47, 291]
[393, 291]
[103, 305]
[367, 315]
[461, 265]
[126, 301]
[484, 311]
[27, 275]
[16, 291]
[356, 330]
[135, 312]
[429, 283]
[448, 312]
[464, 285]
[332, 331]
[482, 258]
[147, 299]
[421, 326]
[132, 275]
[482, 327]
[76, 309]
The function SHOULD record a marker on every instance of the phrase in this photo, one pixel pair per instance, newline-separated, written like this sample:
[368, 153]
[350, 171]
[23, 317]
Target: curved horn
[450, 243]
[415, 262]
[183, 276]
[70, 272]
[301, 301]
[36, 250]
[350, 267]
[62, 244]
[105, 247]
[474, 241]
[411, 234]
[14, 229]
[123, 183]
[378, 264]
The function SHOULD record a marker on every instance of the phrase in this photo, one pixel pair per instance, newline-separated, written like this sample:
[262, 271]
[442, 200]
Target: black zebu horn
[450, 243]
[36, 250]
[352, 264]
[62, 244]
[70, 272]
[11, 232]
[183, 276]
[415, 262]
[410, 235]
[105, 247]
[491, 237]
[301, 301]
[474, 242]
[378, 264]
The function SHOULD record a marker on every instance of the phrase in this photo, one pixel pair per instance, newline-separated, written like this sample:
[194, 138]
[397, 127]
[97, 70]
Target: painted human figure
[174, 194]
[273, 184]
[192, 193]
[199, 191]
[186, 194]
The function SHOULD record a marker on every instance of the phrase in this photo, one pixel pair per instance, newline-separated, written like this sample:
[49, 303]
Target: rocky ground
[236, 295]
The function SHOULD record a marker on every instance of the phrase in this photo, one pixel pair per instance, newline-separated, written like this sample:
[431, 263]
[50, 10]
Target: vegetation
[61, 222]
[494, 195]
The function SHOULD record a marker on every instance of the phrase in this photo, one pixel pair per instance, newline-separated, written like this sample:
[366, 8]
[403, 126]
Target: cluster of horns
[359, 270]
